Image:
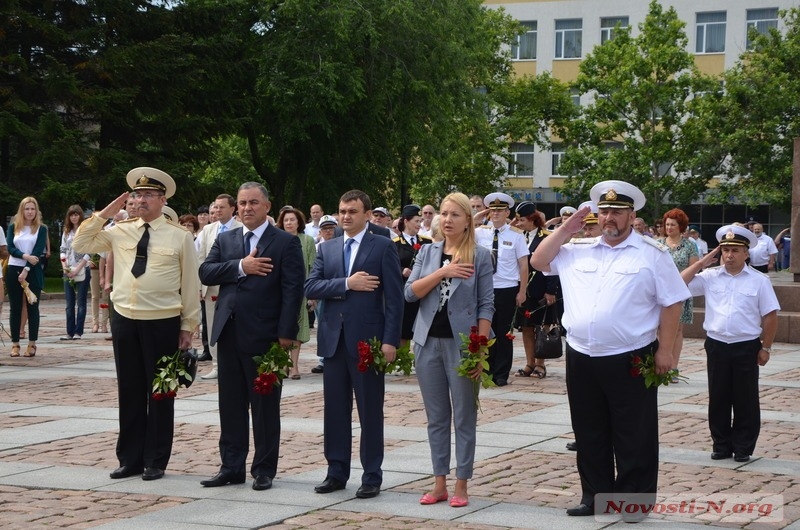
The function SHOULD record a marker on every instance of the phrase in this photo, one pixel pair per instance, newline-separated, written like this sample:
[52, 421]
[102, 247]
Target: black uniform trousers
[733, 388]
[341, 379]
[615, 418]
[501, 354]
[145, 425]
[236, 373]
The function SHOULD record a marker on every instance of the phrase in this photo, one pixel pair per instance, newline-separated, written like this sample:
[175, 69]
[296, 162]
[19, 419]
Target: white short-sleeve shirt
[613, 296]
[734, 304]
[511, 247]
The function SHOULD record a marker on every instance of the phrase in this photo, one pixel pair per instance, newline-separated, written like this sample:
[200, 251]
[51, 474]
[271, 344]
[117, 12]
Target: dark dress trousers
[252, 312]
[347, 317]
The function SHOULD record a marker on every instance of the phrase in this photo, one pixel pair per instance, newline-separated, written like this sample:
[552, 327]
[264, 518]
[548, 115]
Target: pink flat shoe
[430, 499]
[458, 502]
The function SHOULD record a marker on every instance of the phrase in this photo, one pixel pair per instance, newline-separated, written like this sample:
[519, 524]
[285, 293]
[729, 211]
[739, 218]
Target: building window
[608, 26]
[525, 46]
[762, 20]
[569, 37]
[711, 32]
[575, 96]
[556, 157]
[520, 163]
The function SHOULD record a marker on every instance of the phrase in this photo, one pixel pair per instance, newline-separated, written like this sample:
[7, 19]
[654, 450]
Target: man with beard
[621, 291]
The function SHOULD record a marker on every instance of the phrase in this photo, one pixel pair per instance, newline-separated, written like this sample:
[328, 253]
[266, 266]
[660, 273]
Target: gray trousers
[439, 382]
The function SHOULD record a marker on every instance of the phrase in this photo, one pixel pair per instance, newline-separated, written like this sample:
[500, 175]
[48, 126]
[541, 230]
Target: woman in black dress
[408, 244]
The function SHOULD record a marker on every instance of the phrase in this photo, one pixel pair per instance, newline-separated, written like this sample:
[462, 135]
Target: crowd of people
[241, 280]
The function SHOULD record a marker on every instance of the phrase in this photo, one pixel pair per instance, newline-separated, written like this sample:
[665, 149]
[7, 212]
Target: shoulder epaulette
[175, 223]
[516, 229]
[397, 239]
[653, 243]
[583, 240]
[545, 231]
[425, 238]
[485, 227]
[128, 220]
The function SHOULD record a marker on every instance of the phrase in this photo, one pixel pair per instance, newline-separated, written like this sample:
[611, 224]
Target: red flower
[363, 367]
[484, 340]
[264, 383]
[213, 298]
[636, 360]
[103, 306]
[473, 330]
[417, 246]
[474, 337]
[635, 372]
[527, 314]
[363, 348]
[510, 336]
[474, 347]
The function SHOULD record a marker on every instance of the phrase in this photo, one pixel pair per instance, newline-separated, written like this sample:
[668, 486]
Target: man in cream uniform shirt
[157, 309]
[225, 207]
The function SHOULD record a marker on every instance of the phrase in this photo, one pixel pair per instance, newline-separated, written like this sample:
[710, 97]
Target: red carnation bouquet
[475, 354]
[371, 356]
[646, 367]
[272, 368]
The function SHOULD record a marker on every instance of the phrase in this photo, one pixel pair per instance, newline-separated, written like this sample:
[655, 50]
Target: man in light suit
[356, 276]
[260, 273]
[225, 207]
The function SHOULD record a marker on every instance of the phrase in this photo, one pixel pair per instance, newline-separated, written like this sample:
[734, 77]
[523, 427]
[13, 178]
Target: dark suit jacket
[266, 307]
[371, 228]
[358, 315]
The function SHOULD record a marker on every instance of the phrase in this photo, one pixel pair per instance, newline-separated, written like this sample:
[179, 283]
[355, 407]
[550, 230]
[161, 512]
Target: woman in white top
[77, 276]
[27, 241]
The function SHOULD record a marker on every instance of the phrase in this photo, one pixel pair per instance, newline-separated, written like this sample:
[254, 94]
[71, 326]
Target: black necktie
[494, 250]
[247, 238]
[140, 262]
[413, 241]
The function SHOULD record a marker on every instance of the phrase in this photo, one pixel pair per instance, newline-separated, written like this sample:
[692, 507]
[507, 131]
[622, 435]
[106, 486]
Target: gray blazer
[470, 299]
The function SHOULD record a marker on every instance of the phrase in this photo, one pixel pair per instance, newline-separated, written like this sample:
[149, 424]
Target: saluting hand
[710, 259]
[574, 222]
[114, 207]
[258, 266]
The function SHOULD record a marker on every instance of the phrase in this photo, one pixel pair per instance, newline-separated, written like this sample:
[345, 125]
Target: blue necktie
[347, 249]
[247, 238]
[222, 228]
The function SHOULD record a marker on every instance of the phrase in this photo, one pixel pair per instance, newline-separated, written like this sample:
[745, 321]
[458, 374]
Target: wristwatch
[768, 350]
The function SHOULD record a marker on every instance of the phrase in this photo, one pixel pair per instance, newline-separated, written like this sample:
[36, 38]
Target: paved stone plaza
[58, 427]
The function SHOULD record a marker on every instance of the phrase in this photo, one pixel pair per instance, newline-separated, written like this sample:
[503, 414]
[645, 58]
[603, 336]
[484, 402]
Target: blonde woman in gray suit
[453, 281]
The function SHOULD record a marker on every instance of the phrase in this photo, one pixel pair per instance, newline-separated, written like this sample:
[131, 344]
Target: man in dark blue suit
[357, 277]
[260, 273]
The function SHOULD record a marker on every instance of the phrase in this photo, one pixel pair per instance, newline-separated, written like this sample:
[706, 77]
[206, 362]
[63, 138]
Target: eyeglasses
[145, 196]
[427, 213]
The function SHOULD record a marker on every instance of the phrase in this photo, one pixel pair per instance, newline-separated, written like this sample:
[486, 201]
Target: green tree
[758, 117]
[637, 127]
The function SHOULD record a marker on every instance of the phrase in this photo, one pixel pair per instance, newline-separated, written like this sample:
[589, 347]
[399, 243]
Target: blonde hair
[19, 219]
[466, 247]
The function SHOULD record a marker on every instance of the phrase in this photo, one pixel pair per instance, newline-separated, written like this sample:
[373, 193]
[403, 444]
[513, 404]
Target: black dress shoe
[742, 458]
[572, 446]
[721, 455]
[367, 492]
[317, 369]
[501, 382]
[205, 357]
[581, 510]
[126, 471]
[329, 485]
[152, 473]
[262, 482]
[223, 478]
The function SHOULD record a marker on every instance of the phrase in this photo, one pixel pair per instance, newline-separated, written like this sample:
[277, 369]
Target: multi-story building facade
[562, 32]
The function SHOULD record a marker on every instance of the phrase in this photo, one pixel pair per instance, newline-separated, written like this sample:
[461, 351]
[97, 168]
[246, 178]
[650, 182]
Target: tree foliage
[638, 126]
[758, 118]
